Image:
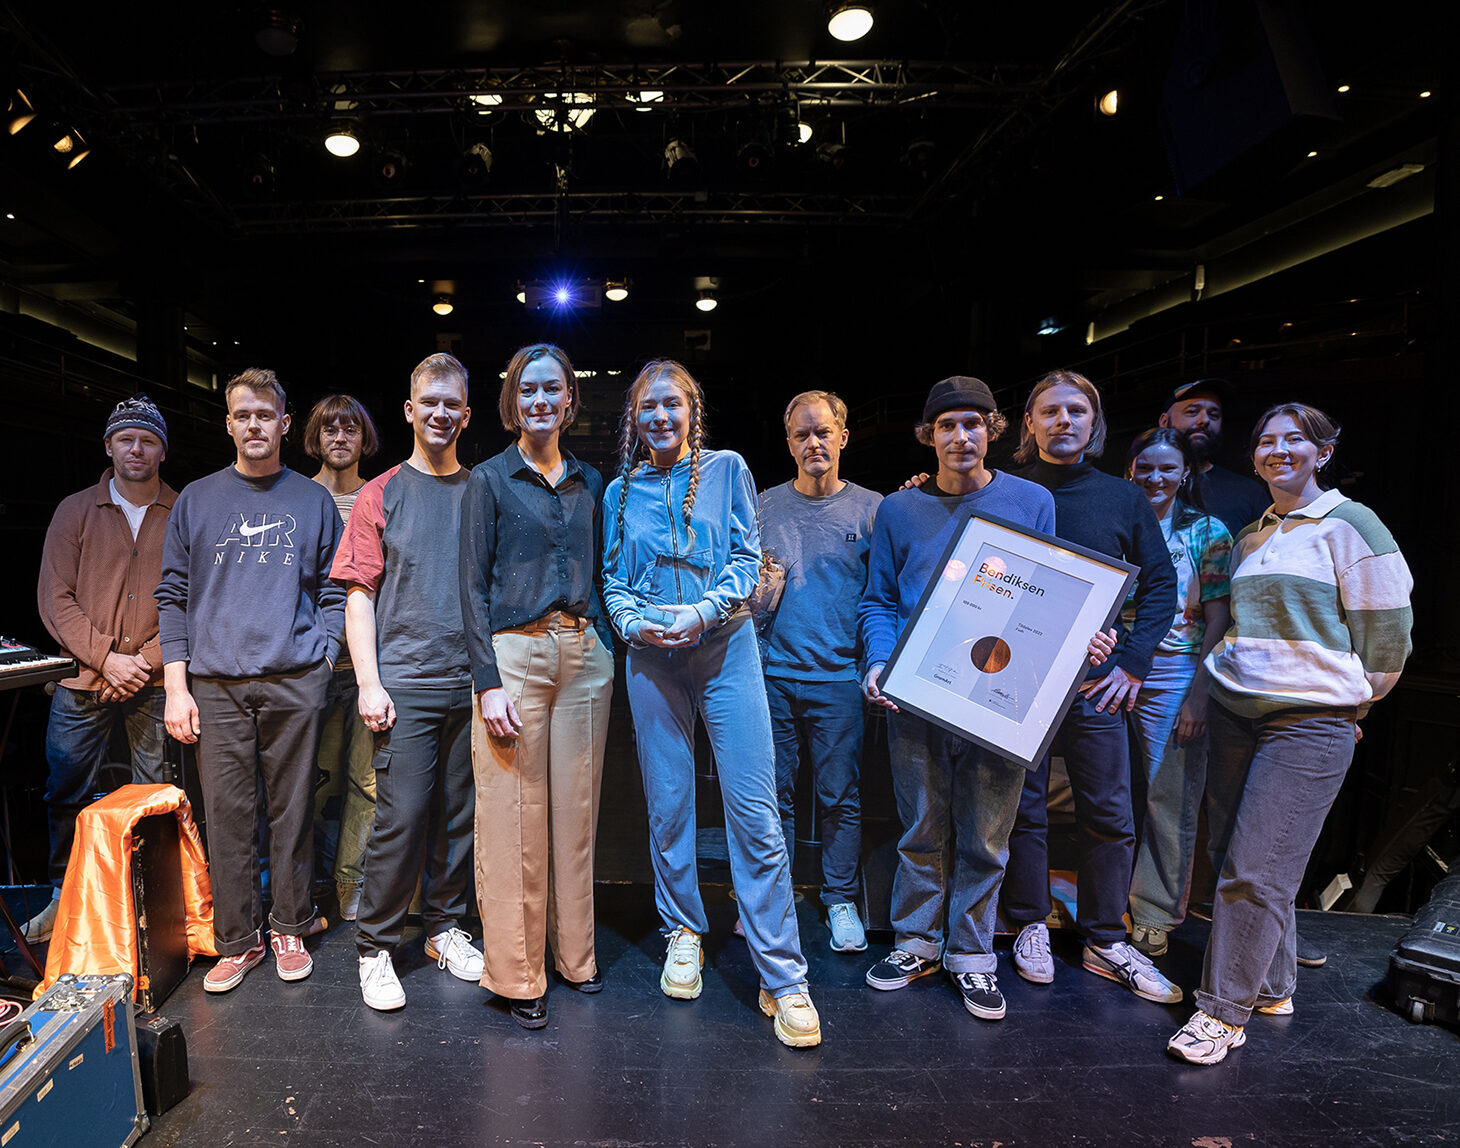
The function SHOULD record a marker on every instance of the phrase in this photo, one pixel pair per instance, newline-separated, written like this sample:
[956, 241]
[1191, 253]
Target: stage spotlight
[849, 21]
[278, 34]
[1050, 326]
[20, 112]
[918, 157]
[342, 142]
[616, 292]
[835, 155]
[566, 116]
[475, 164]
[259, 175]
[755, 156]
[390, 168]
[486, 102]
[71, 146]
[1109, 103]
[645, 97]
[443, 305]
[680, 161]
[521, 295]
[707, 301]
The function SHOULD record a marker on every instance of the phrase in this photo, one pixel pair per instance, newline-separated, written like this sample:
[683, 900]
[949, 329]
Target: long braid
[627, 448]
[696, 438]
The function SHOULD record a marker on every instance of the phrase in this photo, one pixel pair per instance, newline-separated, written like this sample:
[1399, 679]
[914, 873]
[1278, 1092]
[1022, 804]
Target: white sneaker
[378, 983]
[1205, 1040]
[1125, 965]
[453, 951]
[797, 1022]
[682, 963]
[1032, 959]
[1283, 1007]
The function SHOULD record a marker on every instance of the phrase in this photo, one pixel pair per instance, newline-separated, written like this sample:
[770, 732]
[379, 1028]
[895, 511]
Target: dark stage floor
[1077, 1063]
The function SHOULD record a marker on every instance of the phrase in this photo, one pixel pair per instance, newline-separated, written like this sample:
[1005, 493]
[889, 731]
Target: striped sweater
[1320, 612]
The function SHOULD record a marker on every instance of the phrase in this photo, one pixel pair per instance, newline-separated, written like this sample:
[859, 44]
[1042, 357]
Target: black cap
[959, 393]
[1218, 388]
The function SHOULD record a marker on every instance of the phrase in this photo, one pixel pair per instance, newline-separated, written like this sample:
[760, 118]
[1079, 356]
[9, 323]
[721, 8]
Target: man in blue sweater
[950, 792]
[1064, 428]
[818, 527]
[250, 627]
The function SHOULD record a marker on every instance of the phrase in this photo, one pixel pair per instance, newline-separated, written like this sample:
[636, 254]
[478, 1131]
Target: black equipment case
[157, 897]
[1424, 969]
[68, 1068]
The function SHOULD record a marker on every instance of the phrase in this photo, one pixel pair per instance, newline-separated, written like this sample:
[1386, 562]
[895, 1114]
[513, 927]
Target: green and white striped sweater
[1320, 612]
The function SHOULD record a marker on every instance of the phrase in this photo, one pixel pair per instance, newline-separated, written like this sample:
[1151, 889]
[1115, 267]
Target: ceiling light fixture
[848, 22]
[1425, 95]
[443, 305]
[21, 112]
[616, 291]
[279, 33]
[569, 114]
[1109, 103]
[1343, 87]
[707, 301]
[486, 102]
[804, 131]
[475, 164]
[680, 160]
[342, 142]
[521, 293]
[644, 97]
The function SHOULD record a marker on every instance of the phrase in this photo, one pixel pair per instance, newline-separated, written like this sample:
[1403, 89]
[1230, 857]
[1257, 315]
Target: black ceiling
[971, 144]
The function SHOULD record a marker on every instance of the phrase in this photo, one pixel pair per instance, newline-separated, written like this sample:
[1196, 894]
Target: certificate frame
[998, 643]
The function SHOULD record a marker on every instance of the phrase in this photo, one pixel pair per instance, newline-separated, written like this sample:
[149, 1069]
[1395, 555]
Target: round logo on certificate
[990, 654]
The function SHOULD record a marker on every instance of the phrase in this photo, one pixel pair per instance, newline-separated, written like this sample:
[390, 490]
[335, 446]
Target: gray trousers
[1270, 783]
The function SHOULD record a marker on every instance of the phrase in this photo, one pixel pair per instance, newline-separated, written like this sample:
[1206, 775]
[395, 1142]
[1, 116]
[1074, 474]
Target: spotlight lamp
[616, 290]
[707, 301]
[21, 112]
[847, 22]
[342, 142]
[680, 161]
[443, 305]
[804, 131]
[1109, 103]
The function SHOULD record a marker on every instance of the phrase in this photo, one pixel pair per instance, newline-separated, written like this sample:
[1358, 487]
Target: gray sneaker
[847, 934]
[1032, 959]
[1150, 940]
[1127, 966]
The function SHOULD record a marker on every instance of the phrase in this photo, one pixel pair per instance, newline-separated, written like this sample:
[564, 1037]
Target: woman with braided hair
[681, 556]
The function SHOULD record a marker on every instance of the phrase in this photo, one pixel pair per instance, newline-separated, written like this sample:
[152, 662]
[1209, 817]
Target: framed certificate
[997, 646]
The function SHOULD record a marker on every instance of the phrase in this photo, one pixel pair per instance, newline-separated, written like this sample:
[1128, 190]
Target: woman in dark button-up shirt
[542, 667]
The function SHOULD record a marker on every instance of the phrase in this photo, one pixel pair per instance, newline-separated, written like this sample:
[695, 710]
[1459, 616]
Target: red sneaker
[229, 972]
[291, 960]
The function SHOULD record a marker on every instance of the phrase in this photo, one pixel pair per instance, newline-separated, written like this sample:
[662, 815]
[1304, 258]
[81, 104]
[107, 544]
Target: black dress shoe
[593, 984]
[530, 1014]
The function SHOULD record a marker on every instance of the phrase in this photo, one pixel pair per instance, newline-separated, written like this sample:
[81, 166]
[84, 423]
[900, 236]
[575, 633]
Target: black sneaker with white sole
[899, 968]
[981, 995]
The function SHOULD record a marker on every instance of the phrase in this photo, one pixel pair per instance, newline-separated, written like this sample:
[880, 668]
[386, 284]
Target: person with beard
[398, 563]
[101, 561]
[1197, 410]
[250, 626]
[340, 433]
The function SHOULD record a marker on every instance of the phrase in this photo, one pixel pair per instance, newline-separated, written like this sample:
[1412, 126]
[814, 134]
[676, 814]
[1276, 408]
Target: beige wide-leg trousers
[537, 804]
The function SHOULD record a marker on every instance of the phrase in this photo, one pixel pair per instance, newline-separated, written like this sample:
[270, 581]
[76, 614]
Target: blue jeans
[955, 800]
[1097, 754]
[1271, 781]
[1171, 780]
[827, 716]
[720, 681]
[346, 750]
[77, 735]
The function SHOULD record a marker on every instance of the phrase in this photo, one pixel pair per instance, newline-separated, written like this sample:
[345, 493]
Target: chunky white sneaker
[847, 934]
[683, 961]
[1205, 1039]
[797, 1023]
[1124, 965]
[378, 983]
[453, 951]
[1032, 958]
[1283, 1007]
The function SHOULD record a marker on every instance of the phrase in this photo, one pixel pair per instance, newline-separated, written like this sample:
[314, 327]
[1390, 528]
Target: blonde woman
[681, 555]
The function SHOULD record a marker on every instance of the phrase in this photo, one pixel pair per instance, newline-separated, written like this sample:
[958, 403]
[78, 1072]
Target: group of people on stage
[450, 630]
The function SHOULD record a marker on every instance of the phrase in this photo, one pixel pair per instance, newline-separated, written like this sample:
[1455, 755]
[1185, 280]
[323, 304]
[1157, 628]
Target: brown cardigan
[96, 584]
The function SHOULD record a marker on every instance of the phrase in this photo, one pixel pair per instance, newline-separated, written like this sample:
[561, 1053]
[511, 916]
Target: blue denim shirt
[658, 562]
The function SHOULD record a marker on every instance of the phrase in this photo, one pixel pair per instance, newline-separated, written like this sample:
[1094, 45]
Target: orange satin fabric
[96, 923]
